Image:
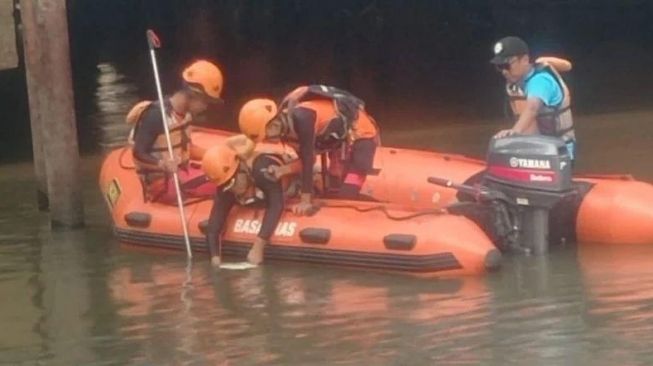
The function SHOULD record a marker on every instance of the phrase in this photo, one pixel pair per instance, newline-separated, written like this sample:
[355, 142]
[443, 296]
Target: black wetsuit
[303, 120]
[362, 150]
[224, 201]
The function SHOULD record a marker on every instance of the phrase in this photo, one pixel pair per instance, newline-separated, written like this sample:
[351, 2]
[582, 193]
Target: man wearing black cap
[539, 97]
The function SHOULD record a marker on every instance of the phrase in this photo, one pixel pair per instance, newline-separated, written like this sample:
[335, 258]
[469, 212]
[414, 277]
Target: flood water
[73, 298]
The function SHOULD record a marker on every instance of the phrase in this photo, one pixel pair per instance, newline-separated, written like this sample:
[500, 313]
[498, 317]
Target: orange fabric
[607, 215]
[163, 189]
[614, 212]
[197, 152]
[325, 111]
[355, 179]
[465, 243]
[617, 211]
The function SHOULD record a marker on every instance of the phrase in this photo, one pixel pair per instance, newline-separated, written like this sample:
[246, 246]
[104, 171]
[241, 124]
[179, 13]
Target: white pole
[153, 42]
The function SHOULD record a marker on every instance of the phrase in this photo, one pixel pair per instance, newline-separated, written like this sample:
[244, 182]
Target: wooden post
[45, 30]
[32, 52]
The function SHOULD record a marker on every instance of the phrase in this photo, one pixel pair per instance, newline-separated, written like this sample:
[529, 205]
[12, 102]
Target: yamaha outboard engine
[534, 173]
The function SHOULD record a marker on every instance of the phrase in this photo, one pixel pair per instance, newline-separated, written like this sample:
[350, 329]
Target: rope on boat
[120, 162]
[384, 210]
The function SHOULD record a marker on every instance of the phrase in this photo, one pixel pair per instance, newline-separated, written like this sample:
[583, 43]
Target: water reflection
[619, 284]
[114, 95]
[272, 315]
[80, 298]
[538, 311]
[19, 265]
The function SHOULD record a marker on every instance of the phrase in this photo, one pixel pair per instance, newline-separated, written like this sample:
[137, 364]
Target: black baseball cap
[508, 47]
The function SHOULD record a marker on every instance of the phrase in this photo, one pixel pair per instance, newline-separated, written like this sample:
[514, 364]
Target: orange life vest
[330, 103]
[178, 127]
[289, 184]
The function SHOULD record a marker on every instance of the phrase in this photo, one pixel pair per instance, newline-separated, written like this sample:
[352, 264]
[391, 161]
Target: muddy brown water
[80, 298]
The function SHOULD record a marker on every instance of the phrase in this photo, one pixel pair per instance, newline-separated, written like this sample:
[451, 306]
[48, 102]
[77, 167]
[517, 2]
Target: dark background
[410, 60]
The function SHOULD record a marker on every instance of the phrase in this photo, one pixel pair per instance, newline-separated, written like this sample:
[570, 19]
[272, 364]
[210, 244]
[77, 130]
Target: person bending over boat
[312, 120]
[202, 85]
[243, 176]
[539, 97]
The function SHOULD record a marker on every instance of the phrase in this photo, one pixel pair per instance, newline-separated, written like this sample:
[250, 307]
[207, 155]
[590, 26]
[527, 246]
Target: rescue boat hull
[344, 233]
[609, 209]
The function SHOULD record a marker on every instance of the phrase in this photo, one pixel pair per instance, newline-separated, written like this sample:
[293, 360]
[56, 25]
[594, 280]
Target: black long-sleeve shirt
[150, 126]
[304, 122]
[224, 201]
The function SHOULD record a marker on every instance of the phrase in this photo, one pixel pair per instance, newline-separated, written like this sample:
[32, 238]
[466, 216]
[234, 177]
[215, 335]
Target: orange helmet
[254, 116]
[220, 164]
[204, 77]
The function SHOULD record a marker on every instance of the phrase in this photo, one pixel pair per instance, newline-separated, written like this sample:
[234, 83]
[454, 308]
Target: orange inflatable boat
[606, 209]
[346, 233]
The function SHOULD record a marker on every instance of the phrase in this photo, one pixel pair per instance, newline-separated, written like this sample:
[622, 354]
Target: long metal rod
[175, 176]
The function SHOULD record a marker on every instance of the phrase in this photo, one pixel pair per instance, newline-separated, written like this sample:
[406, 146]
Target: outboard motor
[534, 173]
